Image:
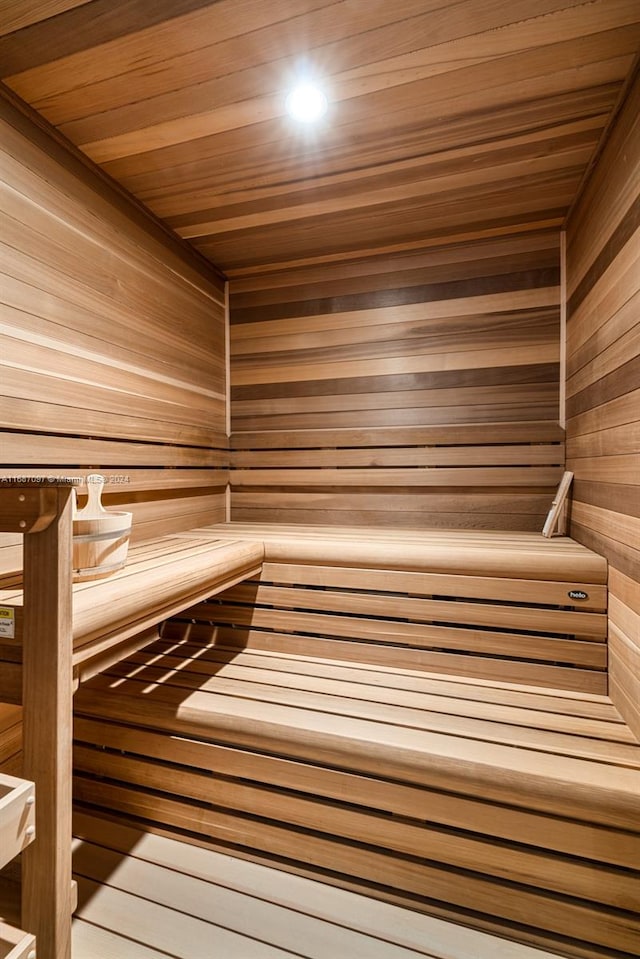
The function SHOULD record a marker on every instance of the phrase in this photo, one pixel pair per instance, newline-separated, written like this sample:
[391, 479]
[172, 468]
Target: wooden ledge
[17, 816]
[14, 943]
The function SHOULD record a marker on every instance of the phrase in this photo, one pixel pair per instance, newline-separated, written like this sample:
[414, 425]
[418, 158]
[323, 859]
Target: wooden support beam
[47, 699]
[26, 507]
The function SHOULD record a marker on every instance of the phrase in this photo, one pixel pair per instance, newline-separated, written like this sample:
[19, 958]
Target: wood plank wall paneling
[603, 387]
[412, 390]
[113, 343]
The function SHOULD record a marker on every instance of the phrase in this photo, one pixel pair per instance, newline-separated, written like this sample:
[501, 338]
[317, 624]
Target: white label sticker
[7, 622]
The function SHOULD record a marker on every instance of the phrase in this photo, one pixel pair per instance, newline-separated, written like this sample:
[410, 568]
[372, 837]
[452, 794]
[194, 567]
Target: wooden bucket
[100, 536]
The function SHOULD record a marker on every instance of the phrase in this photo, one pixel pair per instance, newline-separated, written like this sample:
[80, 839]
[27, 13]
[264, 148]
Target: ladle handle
[94, 508]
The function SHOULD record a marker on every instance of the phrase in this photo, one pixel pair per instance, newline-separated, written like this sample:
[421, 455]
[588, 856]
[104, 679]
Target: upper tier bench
[511, 605]
[510, 555]
[162, 577]
[516, 583]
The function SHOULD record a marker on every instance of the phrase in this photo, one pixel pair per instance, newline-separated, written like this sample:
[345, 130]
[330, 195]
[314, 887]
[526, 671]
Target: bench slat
[355, 684]
[563, 702]
[173, 673]
[436, 584]
[586, 625]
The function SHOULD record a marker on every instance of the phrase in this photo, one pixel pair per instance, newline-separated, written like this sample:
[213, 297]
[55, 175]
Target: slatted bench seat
[507, 807]
[43, 644]
[370, 706]
[162, 577]
[346, 712]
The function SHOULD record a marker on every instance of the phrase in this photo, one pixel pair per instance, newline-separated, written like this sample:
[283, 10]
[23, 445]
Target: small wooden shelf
[17, 830]
[17, 818]
[16, 944]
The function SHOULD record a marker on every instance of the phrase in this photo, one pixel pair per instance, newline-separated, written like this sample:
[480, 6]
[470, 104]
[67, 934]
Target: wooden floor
[143, 896]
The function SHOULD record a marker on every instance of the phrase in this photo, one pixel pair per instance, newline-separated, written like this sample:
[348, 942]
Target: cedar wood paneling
[112, 341]
[410, 390]
[446, 116]
[603, 387]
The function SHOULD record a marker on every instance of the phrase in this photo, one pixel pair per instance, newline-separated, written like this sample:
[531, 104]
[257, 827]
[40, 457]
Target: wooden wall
[112, 340]
[603, 387]
[412, 389]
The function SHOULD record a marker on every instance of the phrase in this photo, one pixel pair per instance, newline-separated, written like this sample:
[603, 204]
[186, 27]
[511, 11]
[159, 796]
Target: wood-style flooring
[143, 896]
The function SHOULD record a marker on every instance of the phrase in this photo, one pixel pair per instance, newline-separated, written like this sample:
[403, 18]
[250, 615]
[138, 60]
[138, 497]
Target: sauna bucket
[100, 536]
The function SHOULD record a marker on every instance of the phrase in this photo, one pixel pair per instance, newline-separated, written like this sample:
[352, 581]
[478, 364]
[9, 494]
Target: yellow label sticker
[7, 622]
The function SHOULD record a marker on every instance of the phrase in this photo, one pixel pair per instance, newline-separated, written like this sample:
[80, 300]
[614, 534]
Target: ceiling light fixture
[306, 103]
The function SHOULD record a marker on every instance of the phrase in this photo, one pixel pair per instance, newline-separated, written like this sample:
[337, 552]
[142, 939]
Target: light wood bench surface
[162, 577]
[473, 552]
[511, 808]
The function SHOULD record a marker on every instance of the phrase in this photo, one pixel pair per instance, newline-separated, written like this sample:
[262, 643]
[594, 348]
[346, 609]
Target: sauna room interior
[319, 479]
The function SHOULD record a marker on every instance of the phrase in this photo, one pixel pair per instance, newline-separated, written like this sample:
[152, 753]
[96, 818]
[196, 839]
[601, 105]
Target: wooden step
[478, 799]
[177, 883]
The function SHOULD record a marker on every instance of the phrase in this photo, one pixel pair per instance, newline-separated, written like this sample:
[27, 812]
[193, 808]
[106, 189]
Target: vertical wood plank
[603, 369]
[47, 702]
[554, 518]
[562, 413]
[227, 391]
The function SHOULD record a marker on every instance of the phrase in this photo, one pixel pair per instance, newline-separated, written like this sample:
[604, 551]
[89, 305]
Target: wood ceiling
[448, 118]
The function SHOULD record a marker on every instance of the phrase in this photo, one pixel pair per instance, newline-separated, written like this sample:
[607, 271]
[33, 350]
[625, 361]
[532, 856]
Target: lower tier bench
[505, 807]
[162, 577]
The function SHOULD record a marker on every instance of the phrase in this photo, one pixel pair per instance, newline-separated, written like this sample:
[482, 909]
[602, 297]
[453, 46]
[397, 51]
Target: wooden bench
[53, 633]
[345, 714]
[110, 616]
[340, 712]
[508, 808]
[513, 606]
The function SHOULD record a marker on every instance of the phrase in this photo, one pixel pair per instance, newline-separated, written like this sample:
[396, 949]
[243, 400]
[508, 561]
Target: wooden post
[47, 693]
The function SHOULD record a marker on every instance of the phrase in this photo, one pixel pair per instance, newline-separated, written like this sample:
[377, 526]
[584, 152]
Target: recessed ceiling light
[306, 103]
